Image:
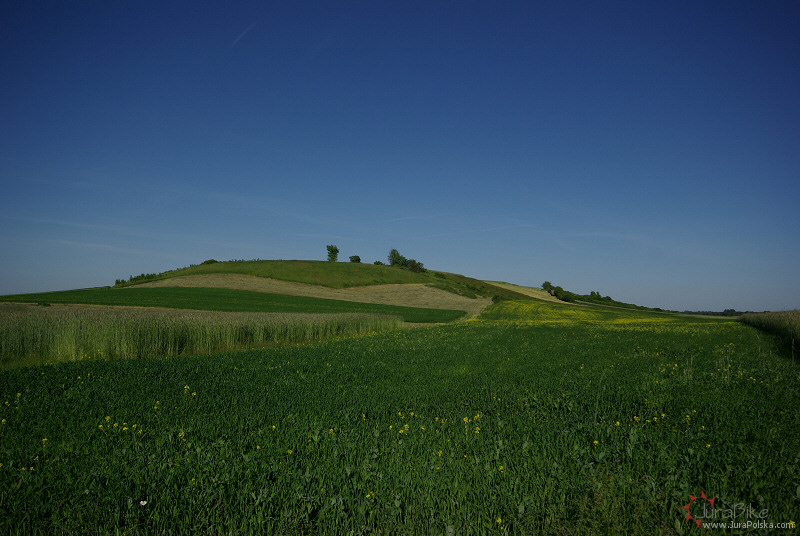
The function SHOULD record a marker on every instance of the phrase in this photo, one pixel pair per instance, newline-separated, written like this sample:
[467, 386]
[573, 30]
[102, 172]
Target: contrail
[242, 34]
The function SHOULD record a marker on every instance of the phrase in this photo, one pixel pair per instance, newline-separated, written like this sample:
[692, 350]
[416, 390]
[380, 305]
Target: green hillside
[327, 274]
[336, 275]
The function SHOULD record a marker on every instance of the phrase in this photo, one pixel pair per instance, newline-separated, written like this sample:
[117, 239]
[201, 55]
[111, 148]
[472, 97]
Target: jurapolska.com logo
[702, 511]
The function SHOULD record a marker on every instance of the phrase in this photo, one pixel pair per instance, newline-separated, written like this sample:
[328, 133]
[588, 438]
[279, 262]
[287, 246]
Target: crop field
[45, 335]
[533, 418]
[220, 299]
[784, 324]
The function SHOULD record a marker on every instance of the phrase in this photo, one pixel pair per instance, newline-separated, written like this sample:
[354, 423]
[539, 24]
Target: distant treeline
[134, 279]
[726, 312]
[593, 297]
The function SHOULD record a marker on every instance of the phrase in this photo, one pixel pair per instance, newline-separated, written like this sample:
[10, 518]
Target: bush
[564, 295]
[414, 266]
[355, 258]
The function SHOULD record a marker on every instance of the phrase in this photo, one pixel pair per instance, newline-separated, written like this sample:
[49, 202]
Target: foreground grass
[525, 421]
[37, 335]
[219, 299]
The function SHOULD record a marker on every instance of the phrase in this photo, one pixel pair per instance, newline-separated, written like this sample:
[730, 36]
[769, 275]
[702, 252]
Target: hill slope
[325, 276]
[370, 285]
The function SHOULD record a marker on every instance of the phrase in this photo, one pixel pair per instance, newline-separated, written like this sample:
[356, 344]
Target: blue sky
[646, 150]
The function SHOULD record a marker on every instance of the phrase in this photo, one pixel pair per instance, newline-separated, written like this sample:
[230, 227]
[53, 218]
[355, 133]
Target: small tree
[395, 259]
[355, 258]
[333, 253]
[547, 286]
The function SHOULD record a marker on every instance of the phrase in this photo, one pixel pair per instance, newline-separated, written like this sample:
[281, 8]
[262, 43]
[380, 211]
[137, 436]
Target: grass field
[533, 418]
[218, 299]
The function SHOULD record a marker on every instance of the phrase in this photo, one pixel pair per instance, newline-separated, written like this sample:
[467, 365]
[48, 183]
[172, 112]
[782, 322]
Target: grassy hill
[312, 274]
[337, 275]
[327, 274]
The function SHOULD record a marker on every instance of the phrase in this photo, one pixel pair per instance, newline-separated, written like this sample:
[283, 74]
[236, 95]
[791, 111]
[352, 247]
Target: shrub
[564, 295]
[414, 266]
[355, 258]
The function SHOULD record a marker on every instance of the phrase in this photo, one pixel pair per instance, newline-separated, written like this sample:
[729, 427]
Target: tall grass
[784, 324]
[31, 334]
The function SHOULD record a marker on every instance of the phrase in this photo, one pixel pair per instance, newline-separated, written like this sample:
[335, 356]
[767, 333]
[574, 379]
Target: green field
[218, 299]
[534, 418]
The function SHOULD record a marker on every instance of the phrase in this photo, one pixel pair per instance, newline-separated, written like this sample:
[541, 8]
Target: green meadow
[535, 418]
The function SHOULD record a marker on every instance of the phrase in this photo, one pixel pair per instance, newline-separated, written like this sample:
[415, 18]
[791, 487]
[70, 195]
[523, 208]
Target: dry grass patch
[533, 292]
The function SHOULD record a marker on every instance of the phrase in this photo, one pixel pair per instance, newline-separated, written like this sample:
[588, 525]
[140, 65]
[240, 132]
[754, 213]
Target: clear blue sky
[646, 150]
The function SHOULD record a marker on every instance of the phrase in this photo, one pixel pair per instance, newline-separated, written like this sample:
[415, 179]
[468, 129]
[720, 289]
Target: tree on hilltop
[333, 253]
[395, 259]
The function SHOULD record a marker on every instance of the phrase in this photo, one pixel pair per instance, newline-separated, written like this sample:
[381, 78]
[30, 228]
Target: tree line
[394, 258]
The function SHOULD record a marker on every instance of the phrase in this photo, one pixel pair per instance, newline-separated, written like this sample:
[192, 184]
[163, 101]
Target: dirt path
[409, 295]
